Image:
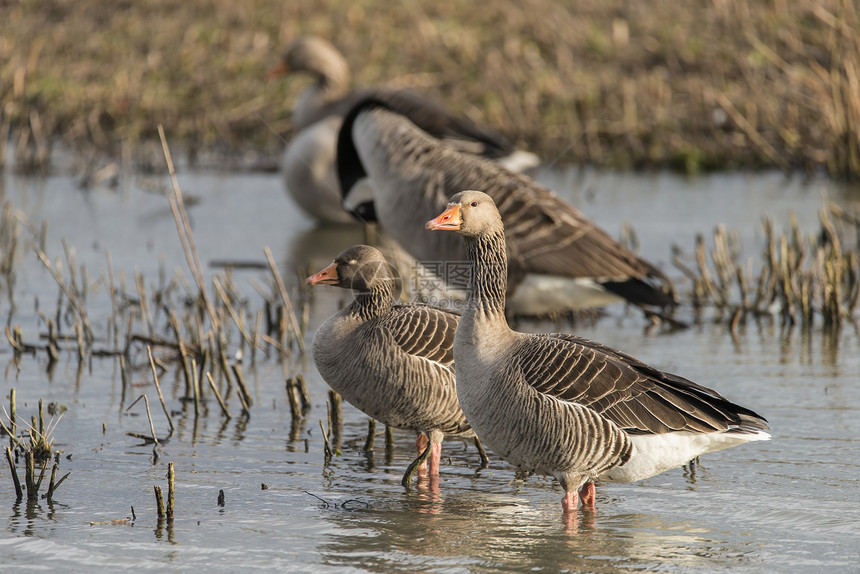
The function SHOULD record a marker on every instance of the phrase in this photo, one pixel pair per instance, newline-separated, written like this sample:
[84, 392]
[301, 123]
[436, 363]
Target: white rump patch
[653, 454]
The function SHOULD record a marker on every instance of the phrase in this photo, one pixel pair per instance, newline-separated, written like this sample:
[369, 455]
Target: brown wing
[424, 331]
[633, 395]
[547, 235]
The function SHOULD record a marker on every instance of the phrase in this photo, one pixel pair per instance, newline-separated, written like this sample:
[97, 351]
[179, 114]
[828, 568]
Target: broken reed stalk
[195, 387]
[53, 346]
[257, 337]
[145, 314]
[335, 417]
[707, 281]
[304, 393]
[293, 397]
[148, 415]
[41, 477]
[10, 459]
[218, 395]
[170, 492]
[59, 482]
[28, 474]
[326, 445]
[52, 488]
[158, 387]
[225, 367]
[299, 397]
[244, 396]
[13, 414]
[159, 502]
[33, 484]
[285, 298]
[186, 371]
[201, 368]
[183, 228]
[112, 292]
[82, 347]
[389, 438]
[123, 375]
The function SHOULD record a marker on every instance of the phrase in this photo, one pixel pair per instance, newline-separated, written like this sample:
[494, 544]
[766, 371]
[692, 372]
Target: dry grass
[703, 84]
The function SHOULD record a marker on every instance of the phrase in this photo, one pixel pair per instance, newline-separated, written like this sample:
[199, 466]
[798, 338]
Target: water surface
[788, 505]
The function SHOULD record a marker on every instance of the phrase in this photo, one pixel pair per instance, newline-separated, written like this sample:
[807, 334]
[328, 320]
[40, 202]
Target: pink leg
[570, 501]
[588, 493]
[435, 458]
[421, 445]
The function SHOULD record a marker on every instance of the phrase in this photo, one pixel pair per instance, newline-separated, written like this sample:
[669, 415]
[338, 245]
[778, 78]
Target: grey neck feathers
[489, 272]
[374, 302]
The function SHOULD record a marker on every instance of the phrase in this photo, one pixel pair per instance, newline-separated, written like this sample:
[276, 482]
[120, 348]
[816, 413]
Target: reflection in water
[489, 532]
[27, 523]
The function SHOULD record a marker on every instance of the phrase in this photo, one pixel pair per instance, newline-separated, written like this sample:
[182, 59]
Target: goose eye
[474, 204]
[352, 261]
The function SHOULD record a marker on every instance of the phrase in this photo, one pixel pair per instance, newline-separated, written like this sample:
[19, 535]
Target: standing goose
[566, 406]
[559, 260]
[309, 159]
[392, 362]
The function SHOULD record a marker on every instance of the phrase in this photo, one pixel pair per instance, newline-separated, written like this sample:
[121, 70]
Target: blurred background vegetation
[703, 84]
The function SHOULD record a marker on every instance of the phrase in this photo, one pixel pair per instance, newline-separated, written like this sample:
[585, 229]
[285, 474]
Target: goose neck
[490, 274]
[328, 87]
[373, 302]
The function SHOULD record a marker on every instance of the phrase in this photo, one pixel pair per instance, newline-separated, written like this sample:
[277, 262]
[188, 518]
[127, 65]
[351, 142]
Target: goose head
[315, 56]
[469, 213]
[360, 268]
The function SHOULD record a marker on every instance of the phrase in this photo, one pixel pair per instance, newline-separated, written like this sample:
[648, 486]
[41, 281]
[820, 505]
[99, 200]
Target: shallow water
[790, 504]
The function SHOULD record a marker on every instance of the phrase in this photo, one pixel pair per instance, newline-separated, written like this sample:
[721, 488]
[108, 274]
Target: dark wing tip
[641, 292]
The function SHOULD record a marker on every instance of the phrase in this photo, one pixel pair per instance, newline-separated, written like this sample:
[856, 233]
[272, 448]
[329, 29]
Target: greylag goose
[562, 405]
[392, 362]
[308, 162]
[559, 260]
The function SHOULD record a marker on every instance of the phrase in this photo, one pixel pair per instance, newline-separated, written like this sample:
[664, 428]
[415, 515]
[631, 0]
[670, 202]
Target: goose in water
[562, 405]
[559, 260]
[309, 159]
[392, 362]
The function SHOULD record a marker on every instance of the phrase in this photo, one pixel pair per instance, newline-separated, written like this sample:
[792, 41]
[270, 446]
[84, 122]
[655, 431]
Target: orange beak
[279, 69]
[327, 276]
[448, 220]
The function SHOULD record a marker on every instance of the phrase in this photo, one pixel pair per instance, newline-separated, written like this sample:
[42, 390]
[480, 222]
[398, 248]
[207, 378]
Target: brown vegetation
[702, 84]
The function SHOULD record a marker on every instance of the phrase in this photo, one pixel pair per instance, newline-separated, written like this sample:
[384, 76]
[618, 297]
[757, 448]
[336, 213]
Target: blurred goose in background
[559, 260]
[308, 161]
[562, 405]
[392, 362]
